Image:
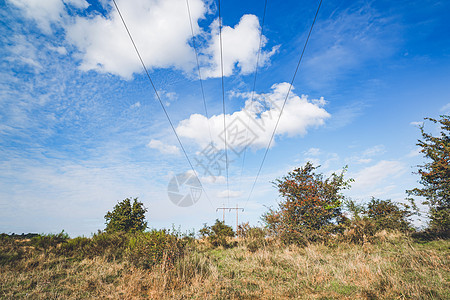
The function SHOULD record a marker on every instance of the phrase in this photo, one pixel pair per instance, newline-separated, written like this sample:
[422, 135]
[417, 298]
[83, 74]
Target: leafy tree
[127, 217]
[311, 206]
[435, 175]
[218, 233]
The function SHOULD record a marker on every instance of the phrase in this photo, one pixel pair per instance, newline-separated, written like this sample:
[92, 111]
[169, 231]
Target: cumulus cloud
[159, 29]
[240, 48]
[253, 125]
[163, 148]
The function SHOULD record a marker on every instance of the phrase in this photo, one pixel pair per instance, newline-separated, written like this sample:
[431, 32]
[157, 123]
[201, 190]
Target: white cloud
[213, 179]
[261, 114]
[44, 13]
[24, 52]
[166, 97]
[446, 108]
[231, 194]
[159, 28]
[418, 124]
[161, 31]
[61, 50]
[414, 153]
[240, 46]
[136, 105]
[373, 151]
[80, 4]
[363, 160]
[312, 152]
[371, 176]
[163, 148]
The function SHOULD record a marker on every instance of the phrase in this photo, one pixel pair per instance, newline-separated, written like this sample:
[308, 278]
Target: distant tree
[435, 175]
[311, 205]
[127, 216]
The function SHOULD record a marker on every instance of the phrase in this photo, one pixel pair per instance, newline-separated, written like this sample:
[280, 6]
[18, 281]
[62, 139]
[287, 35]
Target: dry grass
[394, 267]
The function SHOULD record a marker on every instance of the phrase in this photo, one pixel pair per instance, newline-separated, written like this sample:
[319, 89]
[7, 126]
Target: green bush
[218, 234]
[147, 249]
[388, 215]
[47, 241]
[376, 215]
[10, 251]
[77, 247]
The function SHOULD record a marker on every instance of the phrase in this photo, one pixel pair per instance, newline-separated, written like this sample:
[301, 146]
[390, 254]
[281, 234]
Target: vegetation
[391, 266]
[218, 234]
[435, 176]
[311, 206]
[126, 216]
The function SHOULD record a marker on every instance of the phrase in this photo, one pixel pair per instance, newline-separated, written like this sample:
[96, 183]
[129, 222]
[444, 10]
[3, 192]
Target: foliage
[254, 237]
[150, 248]
[376, 215]
[388, 215]
[217, 234]
[111, 245]
[127, 217]
[46, 241]
[143, 249]
[435, 175]
[311, 205]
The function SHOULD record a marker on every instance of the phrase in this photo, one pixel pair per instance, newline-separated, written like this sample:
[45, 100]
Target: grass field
[393, 266]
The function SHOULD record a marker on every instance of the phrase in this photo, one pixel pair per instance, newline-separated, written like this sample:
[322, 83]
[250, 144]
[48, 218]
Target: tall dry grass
[391, 267]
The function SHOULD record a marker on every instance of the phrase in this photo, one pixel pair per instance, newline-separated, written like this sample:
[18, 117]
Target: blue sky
[81, 128]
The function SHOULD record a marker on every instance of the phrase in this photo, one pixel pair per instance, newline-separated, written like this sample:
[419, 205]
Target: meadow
[161, 264]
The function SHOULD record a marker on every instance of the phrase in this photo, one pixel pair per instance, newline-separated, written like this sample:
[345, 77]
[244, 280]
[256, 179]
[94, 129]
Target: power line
[284, 103]
[253, 89]
[159, 99]
[223, 102]
[198, 68]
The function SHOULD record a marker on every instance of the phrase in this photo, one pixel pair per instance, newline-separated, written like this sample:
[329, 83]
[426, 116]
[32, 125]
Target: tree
[435, 175]
[127, 217]
[311, 205]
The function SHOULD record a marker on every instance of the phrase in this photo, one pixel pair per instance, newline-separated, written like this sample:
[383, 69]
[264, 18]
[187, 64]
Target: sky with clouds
[82, 128]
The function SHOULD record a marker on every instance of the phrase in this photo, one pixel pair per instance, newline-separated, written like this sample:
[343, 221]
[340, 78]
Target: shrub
[311, 206]
[110, 245]
[375, 216]
[217, 234]
[147, 249]
[388, 215]
[47, 241]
